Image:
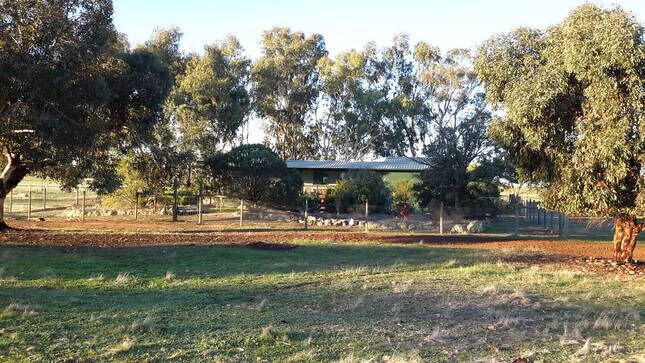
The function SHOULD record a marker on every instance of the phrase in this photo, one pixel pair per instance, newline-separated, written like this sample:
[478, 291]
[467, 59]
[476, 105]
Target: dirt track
[121, 240]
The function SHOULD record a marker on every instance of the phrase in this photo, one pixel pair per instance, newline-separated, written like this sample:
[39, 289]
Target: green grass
[317, 302]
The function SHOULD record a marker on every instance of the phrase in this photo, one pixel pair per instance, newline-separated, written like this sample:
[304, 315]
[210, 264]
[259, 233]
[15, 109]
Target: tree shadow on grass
[222, 261]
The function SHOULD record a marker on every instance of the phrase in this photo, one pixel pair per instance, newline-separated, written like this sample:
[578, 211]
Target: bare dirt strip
[589, 256]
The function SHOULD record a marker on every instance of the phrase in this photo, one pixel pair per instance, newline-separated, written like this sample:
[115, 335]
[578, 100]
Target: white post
[441, 218]
[306, 213]
[241, 211]
[366, 216]
[83, 207]
[44, 201]
[29, 205]
[11, 201]
[136, 206]
[199, 208]
[517, 217]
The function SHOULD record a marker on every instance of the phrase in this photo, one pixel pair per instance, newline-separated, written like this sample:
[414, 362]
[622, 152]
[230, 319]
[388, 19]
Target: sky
[345, 24]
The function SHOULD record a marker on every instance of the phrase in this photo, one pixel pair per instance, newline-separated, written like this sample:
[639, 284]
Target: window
[320, 177]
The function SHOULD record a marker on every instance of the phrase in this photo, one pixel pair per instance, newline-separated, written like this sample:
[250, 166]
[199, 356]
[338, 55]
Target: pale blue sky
[345, 24]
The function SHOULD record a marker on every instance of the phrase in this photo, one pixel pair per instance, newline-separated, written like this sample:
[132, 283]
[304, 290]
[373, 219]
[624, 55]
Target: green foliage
[255, 173]
[72, 96]
[573, 109]
[354, 188]
[347, 129]
[132, 182]
[405, 197]
[479, 191]
[211, 101]
[285, 85]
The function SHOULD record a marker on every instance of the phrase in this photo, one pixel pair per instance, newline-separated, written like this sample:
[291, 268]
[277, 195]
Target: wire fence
[518, 217]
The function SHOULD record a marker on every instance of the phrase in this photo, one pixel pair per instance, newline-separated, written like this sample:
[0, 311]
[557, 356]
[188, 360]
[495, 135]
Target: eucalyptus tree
[393, 74]
[211, 100]
[159, 160]
[285, 87]
[348, 113]
[453, 131]
[72, 97]
[573, 102]
[165, 43]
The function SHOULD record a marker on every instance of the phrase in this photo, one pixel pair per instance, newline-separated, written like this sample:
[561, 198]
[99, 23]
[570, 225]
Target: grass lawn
[319, 301]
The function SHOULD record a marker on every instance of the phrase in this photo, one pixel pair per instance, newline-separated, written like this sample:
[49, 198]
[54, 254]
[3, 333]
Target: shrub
[256, 174]
[404, 197]
[356, 187]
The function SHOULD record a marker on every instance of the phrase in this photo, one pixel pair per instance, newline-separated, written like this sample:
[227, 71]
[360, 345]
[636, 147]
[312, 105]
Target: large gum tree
[73, 97]
[571, 104]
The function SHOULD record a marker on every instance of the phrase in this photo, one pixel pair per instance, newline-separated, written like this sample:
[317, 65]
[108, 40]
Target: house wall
[333, 175]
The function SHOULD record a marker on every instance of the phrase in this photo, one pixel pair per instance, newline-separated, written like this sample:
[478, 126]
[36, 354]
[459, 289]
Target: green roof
[387, 164]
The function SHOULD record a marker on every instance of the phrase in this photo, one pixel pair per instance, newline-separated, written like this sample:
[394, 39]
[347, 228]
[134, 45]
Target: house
[320, 175]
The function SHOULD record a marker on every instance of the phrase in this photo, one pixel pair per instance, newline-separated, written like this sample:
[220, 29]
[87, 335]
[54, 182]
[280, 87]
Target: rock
[458, 228]
[475, 227]
[71, 213]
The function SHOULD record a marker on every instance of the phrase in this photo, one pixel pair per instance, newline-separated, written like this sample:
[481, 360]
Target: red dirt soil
[53, 238]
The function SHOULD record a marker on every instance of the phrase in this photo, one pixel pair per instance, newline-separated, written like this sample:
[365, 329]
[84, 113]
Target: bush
[404, 197]
[256, 174]
[356, 187]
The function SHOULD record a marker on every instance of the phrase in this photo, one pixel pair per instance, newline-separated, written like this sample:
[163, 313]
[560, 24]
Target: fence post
[29, 205]
[11, 201]
[526, 209]
[441, 218]
[559, 224]
[136, 206]
[565, 234]
[552, 226]
[517, 218]
[199, 207]
[306, 213]
[221, 203]
[44, 201]
[174, 202]
[83, 208]
[76, 197]
[241, 211]
[367, 221]
[539, 214]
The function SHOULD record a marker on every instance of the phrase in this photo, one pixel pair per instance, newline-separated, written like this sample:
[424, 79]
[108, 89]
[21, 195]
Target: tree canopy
[572, 100]
[285, 86]
[256, 174]
[211, 101]
[72, 95]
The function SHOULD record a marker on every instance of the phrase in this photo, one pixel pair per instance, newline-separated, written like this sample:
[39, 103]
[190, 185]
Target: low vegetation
[319, 301]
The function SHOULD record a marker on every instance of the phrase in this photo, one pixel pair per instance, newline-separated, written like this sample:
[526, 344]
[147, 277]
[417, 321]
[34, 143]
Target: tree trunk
[14, 171]
[3, 224]
[625, 236]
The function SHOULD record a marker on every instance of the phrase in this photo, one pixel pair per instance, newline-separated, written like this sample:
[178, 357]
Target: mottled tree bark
[14, 171]
[625, 237]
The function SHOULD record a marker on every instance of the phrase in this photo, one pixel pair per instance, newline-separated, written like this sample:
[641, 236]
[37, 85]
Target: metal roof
[387, 164]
